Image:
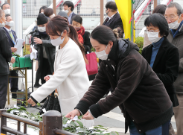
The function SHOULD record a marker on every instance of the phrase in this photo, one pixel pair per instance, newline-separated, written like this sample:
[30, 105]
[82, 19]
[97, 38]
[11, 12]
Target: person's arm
[119, 23]
[68, 64]
[130, 77]
[47, 43]
[5, 48]
[172, 67]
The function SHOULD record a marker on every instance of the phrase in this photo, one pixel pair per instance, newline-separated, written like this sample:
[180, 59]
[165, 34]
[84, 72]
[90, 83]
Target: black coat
[50, 51]
[166, 66]
[114, 22]
[136, 89]
[87, 45]
[5, 53]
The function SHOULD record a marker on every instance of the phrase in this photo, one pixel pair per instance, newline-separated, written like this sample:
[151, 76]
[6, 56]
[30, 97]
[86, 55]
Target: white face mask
[153, 36]
[2, 24]
[7, 11]
[66, 11]
[102, 54]
[174, 25]
[11, 23]
[58, 41]
[41, 29]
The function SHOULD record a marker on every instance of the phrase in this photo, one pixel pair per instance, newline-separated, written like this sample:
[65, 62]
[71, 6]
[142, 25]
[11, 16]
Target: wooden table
[24, 75]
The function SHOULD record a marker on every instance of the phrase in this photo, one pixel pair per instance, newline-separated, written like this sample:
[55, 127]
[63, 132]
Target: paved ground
[114, 120]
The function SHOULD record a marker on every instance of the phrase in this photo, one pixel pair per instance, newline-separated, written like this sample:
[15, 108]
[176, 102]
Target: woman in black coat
[5, 57]
[162, 56]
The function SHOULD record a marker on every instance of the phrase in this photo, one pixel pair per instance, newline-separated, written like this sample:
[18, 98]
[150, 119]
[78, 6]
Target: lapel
[160, 52]
[8, 35]
[112, 19]
[149, 53]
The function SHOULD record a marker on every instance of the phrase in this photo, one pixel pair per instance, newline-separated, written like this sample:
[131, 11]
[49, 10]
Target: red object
[91, 66]
[81, 32]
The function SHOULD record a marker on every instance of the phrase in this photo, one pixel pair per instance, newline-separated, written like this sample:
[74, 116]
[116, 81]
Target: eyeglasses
[171, 17]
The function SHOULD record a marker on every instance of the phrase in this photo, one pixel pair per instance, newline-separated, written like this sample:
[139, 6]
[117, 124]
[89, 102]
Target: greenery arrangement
[140, 42]
[75, 126]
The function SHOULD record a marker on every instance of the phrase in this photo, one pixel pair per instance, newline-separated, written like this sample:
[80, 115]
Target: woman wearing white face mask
[70, 76]
[135, 87]
[162, 56]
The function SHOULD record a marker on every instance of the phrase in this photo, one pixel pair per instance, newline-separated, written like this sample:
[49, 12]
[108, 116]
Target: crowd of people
[148, 88]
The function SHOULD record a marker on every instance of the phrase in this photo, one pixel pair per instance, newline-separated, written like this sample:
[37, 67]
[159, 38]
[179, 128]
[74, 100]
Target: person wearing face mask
[6, 8]
[174, 16]
[5, 57]
[70, 75]
[162, 56]
[12, 37]
[68, 8]
[113, 20]
[46, 51]
[41, 10]
[136, 89]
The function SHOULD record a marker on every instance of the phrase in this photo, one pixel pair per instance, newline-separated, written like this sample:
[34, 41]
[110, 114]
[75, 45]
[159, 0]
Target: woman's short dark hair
[43, 7]
[78, 19]
[69, 4]
[158, 20]
[111, 5]
[48, 12]
[160, 9]
[103, 35]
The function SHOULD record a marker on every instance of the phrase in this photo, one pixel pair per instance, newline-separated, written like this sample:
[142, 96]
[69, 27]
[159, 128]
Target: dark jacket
[166, 66]
[136, 89]
[5, 53]
[114, 22]
[50, 50]
[87, 45]
[72, 17]
[178, 42]
[9, 38]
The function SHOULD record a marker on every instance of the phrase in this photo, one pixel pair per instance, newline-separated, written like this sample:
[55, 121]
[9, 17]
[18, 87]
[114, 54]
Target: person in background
[6, 8]
[113, 19]
[83, 35]
[5, 57]
[162, 56]
[41, 10]
[68, 8]
[174, 16]
[12, 37]
[63, 14]
[46, 51]
[69, 67]
[77, 24]
[48, 12]
[161, 10]
[136, 89]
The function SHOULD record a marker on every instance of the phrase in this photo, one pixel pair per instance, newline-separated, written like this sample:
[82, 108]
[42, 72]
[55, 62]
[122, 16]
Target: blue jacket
[11, 43]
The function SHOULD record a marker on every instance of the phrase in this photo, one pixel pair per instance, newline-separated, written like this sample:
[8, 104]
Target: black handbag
[51, 103]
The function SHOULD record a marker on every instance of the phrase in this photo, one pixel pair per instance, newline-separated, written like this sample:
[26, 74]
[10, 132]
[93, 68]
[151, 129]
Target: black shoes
[37, 85]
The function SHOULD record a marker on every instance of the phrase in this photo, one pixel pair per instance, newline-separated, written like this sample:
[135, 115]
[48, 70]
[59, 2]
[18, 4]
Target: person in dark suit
[5, 57]
[113, 20]
[68, 8]
[162, 56]
[12, 37]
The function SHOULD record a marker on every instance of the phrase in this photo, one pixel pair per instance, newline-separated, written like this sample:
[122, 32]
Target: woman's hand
[30, 101]
[72, 114]
[46, 78]
[38, 40]
[88, 116]
[12, 60]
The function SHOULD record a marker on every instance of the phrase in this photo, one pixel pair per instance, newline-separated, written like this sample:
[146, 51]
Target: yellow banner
[125, 10]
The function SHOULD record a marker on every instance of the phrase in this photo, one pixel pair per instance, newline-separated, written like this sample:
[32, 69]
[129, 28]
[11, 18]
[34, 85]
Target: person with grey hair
[5, 57]
[6, 8]
[174, 17]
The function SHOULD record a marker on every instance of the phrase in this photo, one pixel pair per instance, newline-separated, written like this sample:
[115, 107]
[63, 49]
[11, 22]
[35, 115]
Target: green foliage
[92, 49]
[13, 54]
[140, 42]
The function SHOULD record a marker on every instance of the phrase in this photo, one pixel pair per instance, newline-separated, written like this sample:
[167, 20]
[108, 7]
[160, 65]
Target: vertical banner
[125, 11]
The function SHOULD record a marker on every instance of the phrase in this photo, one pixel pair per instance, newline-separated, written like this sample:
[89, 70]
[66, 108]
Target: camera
[35, 33]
